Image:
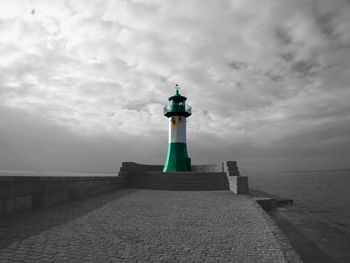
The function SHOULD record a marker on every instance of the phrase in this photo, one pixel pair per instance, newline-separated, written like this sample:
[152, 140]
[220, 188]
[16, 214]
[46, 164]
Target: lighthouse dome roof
[177, 97]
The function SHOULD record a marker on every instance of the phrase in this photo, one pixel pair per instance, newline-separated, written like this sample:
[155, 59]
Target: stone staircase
[182, 181]
[223, 176]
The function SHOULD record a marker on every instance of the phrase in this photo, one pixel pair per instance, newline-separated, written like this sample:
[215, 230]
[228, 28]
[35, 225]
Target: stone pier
[142, 215]
[132, 225]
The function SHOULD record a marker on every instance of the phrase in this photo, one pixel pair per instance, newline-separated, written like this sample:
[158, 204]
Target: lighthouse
[177, 111]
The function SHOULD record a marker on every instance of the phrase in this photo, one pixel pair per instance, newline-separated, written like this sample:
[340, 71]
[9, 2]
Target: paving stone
[143, 226]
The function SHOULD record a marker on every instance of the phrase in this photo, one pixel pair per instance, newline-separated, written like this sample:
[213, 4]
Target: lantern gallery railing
[174, 108]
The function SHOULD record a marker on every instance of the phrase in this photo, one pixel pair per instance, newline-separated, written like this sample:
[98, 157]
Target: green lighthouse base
[177, 159]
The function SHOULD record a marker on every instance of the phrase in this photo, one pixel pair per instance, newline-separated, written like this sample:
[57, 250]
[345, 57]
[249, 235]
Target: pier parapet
[19, 193]
[221, 176]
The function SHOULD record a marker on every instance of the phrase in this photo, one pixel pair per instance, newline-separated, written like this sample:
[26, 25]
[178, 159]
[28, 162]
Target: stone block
[9, 205]
[123, 173]
[54, 198]
[75, 194]
[59, 197]
[267, 204]
[47, 200]
[233, 173]
[38, 200]
[239, 184]
[23, 203]
[1, 207]
[231, 165]
[88, 191]
[231, 168]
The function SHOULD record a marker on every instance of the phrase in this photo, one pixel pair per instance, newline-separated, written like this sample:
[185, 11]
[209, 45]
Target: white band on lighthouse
[177, 129]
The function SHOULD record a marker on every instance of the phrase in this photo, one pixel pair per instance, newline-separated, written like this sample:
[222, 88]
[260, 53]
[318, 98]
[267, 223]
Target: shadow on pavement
[19, 226]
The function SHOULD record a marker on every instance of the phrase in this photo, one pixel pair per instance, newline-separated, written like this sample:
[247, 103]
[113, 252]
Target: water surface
[325, 193]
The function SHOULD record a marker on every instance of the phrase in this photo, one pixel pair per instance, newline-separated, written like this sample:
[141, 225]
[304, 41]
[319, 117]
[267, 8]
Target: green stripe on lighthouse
[177, 159]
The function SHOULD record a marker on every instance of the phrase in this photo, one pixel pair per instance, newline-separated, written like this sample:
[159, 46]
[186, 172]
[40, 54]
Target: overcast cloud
[83, 83]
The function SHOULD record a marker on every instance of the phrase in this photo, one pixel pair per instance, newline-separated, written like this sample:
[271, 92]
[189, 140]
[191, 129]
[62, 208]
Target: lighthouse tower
[177, 111]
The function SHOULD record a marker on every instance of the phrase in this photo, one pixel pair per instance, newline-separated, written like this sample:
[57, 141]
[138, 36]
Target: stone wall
[229, 166]
[222, 176]
[208, 168]
[18, 193]
[239, 184]
[132, 166]
[184, 181]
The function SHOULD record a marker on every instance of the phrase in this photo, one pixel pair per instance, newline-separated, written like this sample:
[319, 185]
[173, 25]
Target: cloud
[255, 72]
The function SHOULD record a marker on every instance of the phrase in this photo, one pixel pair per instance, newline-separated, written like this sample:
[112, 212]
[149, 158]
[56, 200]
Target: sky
[83, 83]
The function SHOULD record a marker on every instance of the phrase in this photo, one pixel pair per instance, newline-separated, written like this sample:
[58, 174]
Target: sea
[325, 193]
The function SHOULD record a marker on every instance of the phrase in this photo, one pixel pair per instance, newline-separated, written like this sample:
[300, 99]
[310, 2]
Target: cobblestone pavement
[143, 226]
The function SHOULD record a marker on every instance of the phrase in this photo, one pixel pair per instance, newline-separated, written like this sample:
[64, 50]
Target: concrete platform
[268, 201]
[146, 226]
